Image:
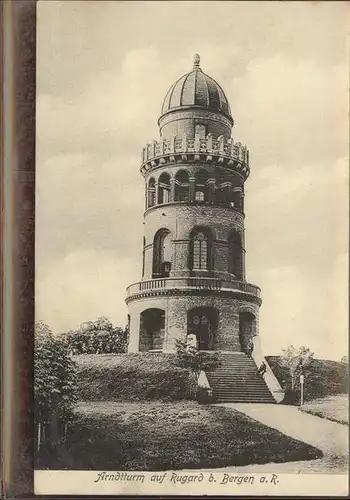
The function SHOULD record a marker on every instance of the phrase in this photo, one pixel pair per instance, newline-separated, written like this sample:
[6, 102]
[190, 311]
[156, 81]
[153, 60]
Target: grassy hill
[323, 378]
[154, 435]
[130, 377]
[129, 417]
[152, 376]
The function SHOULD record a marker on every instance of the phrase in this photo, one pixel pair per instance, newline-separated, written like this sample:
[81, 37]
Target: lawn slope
[334, 408]
[163, 436]
[132, 377]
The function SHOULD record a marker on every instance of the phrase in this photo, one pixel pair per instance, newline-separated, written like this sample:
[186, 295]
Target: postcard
[191, 331]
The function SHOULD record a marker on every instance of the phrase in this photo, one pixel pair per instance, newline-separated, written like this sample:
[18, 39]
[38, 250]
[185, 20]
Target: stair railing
[269, 377]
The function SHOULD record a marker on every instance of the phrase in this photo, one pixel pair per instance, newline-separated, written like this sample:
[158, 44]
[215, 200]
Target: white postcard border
[187, 483]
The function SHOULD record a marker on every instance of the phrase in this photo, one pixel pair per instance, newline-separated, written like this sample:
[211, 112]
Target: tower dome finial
[196, 88]
[196, 61]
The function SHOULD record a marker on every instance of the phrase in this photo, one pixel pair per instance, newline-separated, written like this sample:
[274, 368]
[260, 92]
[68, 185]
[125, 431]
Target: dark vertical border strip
[18, 214]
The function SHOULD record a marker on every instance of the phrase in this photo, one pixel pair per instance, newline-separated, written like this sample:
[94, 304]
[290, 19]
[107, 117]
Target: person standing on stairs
[250, 347]
[262, 369]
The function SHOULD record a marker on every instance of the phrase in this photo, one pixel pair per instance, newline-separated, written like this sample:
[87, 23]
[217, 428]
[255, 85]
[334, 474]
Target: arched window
[238, 199]
[182, 186]
[202, 188]
[199, 196]
[164, 188]
[224, 195]
[235, 255]
[200, 251]
[151, 193]
[162, 254]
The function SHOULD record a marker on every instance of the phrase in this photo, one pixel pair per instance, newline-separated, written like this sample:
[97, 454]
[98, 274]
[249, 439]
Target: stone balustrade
[190, 283]
[234, 152]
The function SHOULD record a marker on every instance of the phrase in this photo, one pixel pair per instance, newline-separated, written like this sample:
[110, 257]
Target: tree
[97, 337]
[297, 360]
[192, 358]
[54, 381]
[42, 330]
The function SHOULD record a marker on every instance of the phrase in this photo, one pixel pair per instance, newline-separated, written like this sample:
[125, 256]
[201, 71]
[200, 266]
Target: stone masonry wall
[180, 219]
[177, 123]
[176, 308]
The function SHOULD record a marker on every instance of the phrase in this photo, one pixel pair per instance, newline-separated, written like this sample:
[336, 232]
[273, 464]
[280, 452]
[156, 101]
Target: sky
[103, 69]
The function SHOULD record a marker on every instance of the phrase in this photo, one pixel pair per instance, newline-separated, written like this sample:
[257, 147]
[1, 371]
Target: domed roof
[196, 89]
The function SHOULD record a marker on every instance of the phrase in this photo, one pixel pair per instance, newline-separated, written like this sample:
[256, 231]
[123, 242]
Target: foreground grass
[164, 436]
[334, 408]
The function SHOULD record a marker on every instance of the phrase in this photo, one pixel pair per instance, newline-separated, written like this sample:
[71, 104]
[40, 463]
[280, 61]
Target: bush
[54, 385]
[97, 337]
[193, 359]
[54, 379]
[130, 377]
[324, 378]
[291, 398]
[205, 396]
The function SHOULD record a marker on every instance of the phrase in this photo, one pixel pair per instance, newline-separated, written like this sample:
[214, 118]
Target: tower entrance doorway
[152, 326]
[202, 322]
[247, 329]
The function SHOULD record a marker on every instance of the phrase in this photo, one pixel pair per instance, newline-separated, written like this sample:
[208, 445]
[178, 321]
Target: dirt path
[330, 437]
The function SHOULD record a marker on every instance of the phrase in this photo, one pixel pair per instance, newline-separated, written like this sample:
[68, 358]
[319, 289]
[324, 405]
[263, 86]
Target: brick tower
[193, 273]
[193, 261]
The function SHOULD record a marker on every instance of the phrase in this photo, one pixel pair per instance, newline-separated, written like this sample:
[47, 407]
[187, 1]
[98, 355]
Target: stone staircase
[236, 380]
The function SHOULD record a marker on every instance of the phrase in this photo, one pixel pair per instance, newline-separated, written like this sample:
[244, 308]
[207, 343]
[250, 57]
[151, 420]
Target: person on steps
[250, 347]
[262, 369]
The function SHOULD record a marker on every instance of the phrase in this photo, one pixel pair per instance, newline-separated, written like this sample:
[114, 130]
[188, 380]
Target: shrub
[297, 360]
[193, 359]
[205, 396]
[54, 383]
[97, 337]
[323, 378]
